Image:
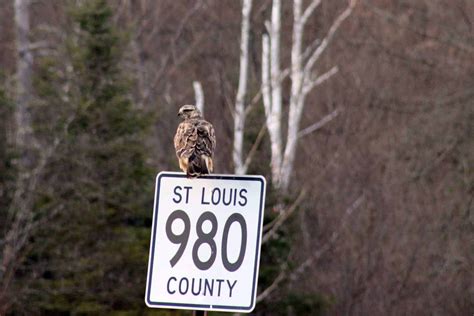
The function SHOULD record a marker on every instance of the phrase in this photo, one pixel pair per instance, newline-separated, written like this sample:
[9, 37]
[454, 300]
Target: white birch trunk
[266, 89]
[199, 96]
[276, 77]
[275, 117]
[296, 97]
[303, 81]
[23, 74]
[239, 115]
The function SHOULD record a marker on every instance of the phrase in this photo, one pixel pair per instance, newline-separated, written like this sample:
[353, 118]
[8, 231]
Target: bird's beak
[179, 114]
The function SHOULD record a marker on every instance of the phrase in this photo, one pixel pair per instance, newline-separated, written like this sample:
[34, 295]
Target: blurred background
[359, 114]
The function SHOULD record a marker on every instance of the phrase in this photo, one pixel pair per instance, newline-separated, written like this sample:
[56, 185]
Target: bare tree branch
[310, 84]
[273, 226]
[184, 54]
[20, 210]
[310, 48]
[314, 127]
[315, 256]
[302, 83]
[335, 235]
[255, 145]
[462, 45]
[249, 107]
[325, 42]
[309, 10]
[281, 276]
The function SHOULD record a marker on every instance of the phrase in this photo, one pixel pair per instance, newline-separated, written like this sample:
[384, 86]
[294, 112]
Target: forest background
[359, 114]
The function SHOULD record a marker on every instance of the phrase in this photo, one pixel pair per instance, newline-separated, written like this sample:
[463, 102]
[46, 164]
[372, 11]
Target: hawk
[195, 142]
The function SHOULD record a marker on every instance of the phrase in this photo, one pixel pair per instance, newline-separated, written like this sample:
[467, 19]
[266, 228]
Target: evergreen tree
[91, 254]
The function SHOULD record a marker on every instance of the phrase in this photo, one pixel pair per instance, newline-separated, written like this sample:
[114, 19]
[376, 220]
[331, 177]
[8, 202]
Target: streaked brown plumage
[195, 142]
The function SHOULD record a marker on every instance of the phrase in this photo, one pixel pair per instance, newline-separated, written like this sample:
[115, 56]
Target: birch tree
[241, 165]
[199, 96]
[304, 78]
[23, 73]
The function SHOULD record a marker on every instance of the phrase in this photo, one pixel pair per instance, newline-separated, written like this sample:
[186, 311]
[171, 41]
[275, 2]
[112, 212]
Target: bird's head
[189, 111]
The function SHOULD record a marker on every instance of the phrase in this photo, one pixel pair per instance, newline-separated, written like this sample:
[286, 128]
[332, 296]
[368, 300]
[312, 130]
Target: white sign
[205, 243]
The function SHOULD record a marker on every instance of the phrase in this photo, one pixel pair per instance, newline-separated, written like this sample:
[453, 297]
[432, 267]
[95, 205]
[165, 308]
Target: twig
[319, 124]
[309, 10]
[309, 84]
[332, 30]
[255, 145]
[273, 286]
[334, 236]
[272, 227]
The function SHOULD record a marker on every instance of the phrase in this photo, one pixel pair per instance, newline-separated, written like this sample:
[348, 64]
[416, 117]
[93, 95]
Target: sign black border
[249, 308]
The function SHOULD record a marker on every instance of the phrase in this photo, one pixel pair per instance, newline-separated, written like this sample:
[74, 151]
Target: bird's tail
[197, 166]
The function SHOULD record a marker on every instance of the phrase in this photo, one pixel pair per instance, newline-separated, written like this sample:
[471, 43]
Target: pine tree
[91, 255]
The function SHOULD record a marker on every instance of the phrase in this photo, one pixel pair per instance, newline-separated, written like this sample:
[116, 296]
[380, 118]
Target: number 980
[206, 238]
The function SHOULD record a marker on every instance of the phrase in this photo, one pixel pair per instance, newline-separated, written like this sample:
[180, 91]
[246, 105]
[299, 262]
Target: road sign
[205, 242]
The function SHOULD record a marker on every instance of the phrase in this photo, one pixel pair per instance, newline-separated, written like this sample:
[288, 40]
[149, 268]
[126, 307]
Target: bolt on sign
[205, 242]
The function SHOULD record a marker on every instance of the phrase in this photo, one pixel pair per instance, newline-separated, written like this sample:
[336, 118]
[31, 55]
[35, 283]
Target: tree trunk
[199, 96]
[296, 97]
[19, 213]
[239, 115]
[303, 80]
[274, 128]
[23, 76]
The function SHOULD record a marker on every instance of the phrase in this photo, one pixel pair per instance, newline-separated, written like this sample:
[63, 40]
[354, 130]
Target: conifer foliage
[90, 255]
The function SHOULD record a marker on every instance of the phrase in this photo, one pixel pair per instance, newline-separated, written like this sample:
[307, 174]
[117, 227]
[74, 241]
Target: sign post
[205, 243]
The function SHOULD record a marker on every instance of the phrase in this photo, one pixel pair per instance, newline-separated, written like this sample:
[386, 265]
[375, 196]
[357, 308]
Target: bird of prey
[195, 142]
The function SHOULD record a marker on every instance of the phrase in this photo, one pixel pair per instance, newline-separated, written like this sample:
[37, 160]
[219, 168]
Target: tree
[283, 152]
[241, 165]
[386, 224]
[24, 76]
[94, 191]
[19, 215]
[303, 79]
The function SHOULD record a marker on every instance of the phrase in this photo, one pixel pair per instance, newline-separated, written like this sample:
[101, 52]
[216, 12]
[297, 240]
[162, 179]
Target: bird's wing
[185, 139]
[206, 138]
